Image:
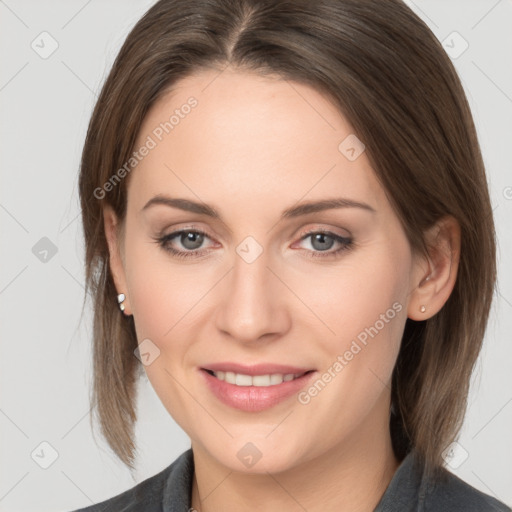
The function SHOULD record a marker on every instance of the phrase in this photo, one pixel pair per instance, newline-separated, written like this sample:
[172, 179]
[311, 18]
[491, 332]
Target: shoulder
[454, 494]
[412, 490]
[148, 495]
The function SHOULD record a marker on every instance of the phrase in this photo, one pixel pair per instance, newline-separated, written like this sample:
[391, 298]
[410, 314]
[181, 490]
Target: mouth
[255, 388]
[263, 380]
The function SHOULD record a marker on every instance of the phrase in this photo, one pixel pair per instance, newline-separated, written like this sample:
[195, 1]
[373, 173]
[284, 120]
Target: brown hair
[390, 77]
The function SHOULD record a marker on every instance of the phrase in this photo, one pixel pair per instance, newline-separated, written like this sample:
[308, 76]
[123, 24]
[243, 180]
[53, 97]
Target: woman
[288, 228]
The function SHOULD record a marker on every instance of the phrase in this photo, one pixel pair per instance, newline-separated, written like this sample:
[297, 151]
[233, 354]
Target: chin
[257, 456]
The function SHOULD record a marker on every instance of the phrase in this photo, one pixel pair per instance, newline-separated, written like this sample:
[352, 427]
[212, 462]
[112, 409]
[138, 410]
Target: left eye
[320, 241]
[320, 246]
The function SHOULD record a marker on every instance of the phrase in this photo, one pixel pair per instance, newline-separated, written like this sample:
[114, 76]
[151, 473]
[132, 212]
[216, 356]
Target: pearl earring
[120, 299]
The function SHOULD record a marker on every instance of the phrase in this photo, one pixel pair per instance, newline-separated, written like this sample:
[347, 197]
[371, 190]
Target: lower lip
[254, 398]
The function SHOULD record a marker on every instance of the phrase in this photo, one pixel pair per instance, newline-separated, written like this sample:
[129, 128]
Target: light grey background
[45, 365]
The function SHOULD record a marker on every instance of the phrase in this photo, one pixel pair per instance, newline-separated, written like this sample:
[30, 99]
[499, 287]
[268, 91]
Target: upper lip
[257, 369]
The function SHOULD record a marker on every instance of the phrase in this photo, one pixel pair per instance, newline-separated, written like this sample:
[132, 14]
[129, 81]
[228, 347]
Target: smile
[240, 379]
[257, 392]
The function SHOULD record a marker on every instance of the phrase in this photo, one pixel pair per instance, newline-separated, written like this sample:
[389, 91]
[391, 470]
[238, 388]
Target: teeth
[240, 379]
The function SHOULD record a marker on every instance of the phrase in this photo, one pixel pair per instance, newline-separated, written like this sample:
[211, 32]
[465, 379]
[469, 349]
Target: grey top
[409, 491]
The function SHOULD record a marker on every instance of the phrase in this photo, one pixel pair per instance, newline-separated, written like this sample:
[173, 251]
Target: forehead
[248, 140]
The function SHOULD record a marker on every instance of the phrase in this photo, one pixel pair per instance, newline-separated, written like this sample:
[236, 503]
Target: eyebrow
[293, 212]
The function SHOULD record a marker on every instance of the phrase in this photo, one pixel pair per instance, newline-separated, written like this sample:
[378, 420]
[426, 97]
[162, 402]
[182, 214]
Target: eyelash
[163, 242]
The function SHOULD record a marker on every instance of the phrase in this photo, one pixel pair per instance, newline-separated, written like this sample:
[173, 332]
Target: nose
[253, 306]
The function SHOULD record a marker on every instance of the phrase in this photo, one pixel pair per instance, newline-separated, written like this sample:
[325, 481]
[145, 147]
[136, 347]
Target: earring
[120, 299]
[423, 309]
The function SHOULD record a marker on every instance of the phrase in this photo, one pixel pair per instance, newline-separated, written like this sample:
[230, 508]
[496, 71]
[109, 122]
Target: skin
[253, 147]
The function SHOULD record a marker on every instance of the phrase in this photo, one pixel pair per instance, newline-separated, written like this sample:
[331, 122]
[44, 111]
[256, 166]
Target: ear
[434, 278]
[113, 233]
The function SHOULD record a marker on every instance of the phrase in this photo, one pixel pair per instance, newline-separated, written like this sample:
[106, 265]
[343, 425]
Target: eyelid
[322, 228]
[175, 233]
[168, 228]
[188, 227]
[345, 241]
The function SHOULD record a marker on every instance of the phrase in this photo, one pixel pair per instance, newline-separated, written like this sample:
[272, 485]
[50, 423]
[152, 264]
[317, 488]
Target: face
[263, 282]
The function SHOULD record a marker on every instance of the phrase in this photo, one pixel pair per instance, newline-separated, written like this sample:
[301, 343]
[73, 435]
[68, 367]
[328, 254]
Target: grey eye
[319, 241]
[191, 240]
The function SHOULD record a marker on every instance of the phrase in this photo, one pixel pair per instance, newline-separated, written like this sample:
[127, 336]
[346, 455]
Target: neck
[352, 476]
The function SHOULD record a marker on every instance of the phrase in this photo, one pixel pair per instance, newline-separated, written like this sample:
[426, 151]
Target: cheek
[168, 302]
[367, 313]
[364, 306]
[369, 290]
[157, 295]
[162, 301]
[375, 308]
